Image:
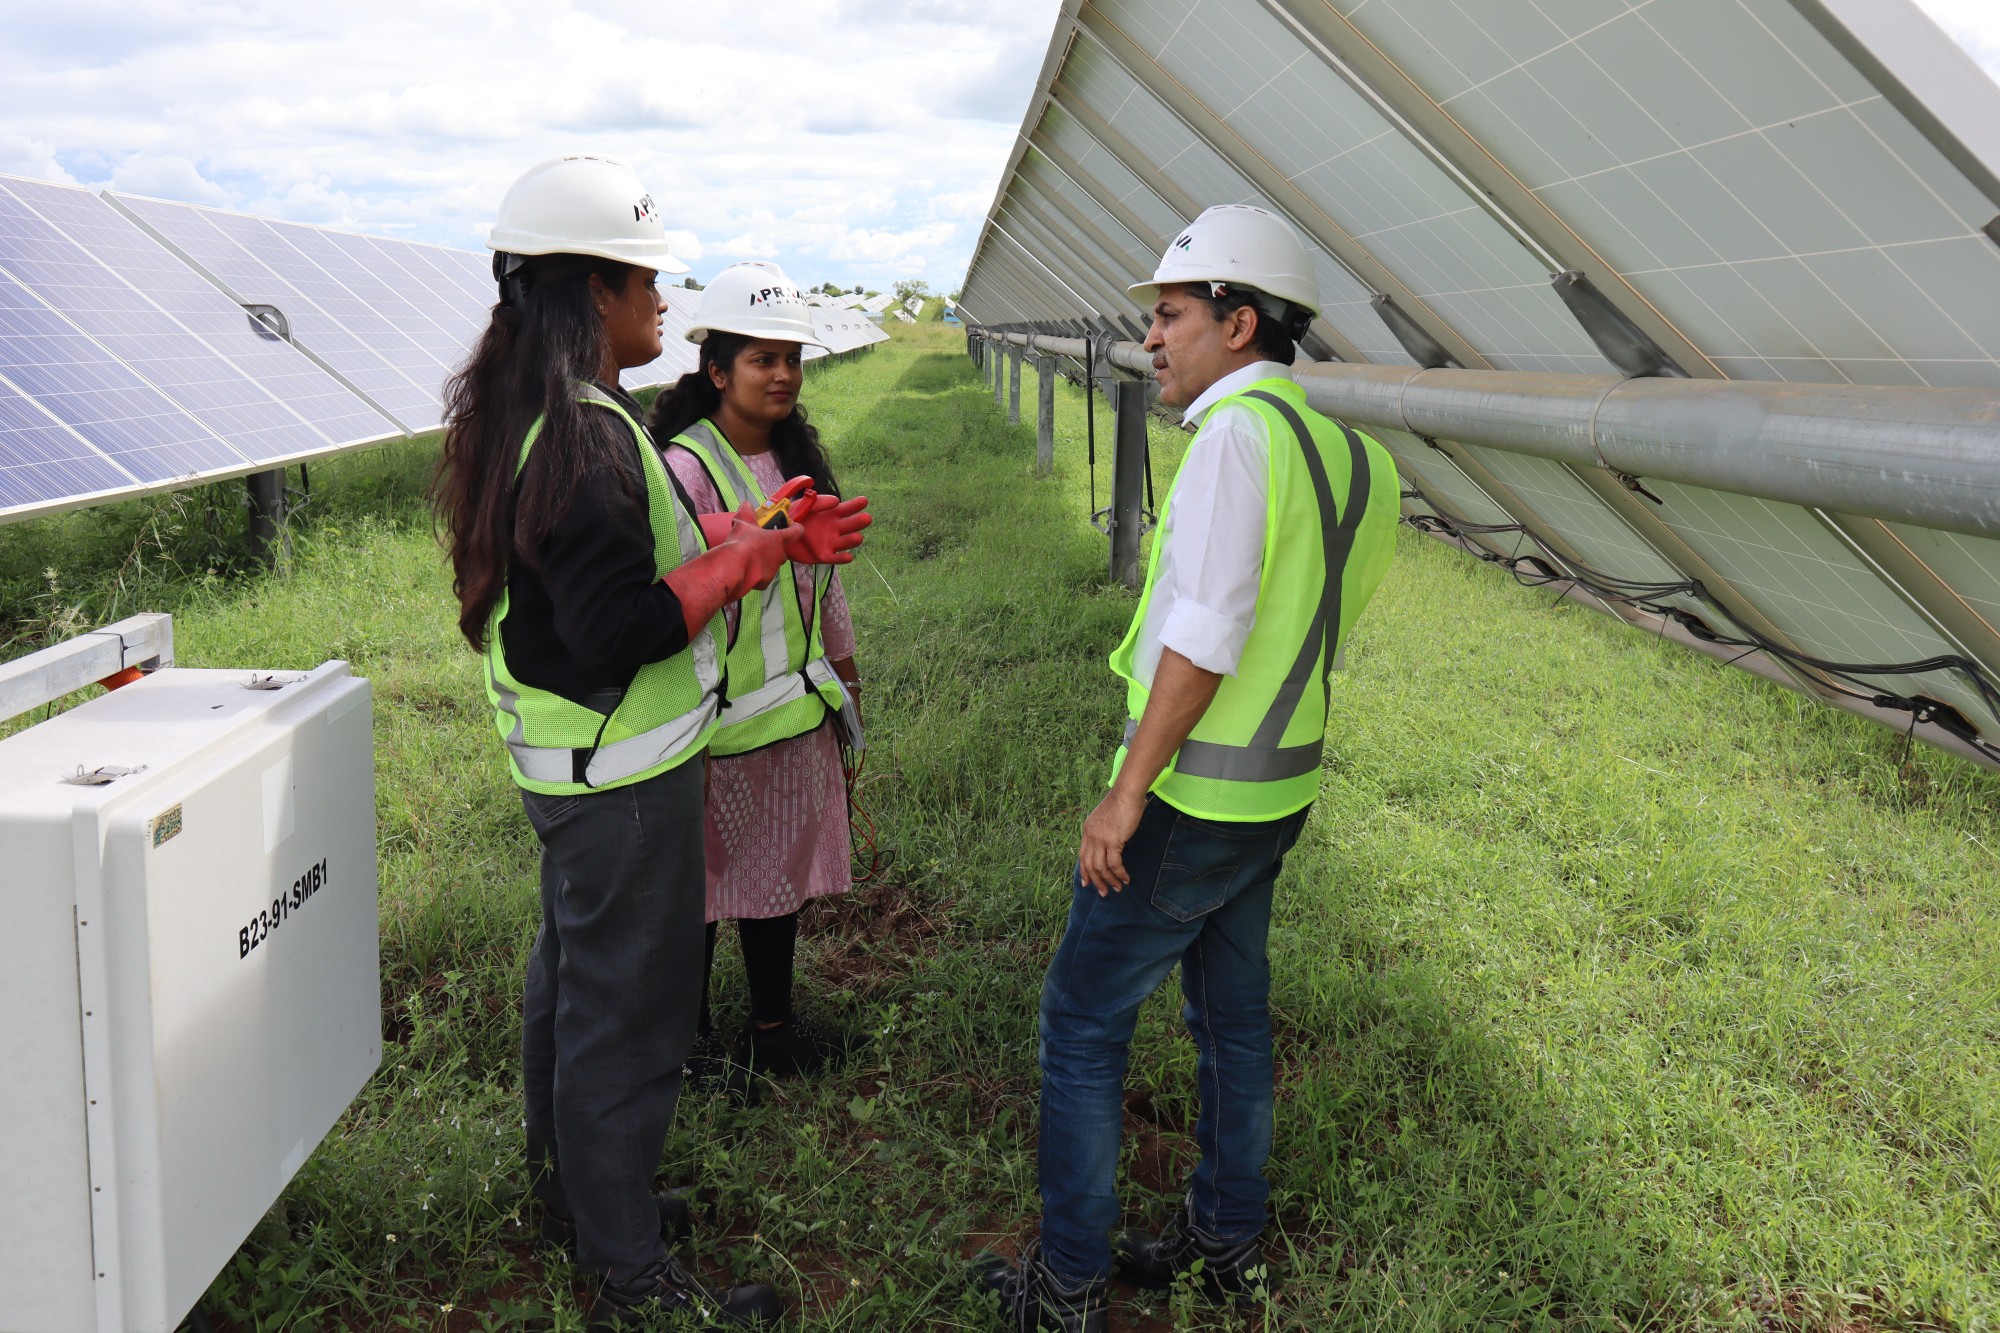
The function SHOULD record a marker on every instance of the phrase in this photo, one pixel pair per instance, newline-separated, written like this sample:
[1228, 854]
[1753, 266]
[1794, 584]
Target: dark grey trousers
[613, 991]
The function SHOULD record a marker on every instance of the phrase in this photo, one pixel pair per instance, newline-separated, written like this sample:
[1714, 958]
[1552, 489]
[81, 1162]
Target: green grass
[1615, 989]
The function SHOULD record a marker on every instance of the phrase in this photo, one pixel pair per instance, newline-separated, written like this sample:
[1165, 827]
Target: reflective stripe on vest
[768, 666]
[660, 742]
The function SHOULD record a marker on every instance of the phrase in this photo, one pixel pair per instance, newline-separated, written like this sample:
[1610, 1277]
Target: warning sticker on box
[166, 826]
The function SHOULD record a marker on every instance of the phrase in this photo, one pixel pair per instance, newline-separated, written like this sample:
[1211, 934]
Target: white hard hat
[757, 300]
[583, 204]
[1243, 247]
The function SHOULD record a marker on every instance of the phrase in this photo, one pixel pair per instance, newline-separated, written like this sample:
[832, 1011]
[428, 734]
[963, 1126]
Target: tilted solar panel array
[123, 371]
[1793, 190]
[130, 360]
[843, 330]
[388, 317]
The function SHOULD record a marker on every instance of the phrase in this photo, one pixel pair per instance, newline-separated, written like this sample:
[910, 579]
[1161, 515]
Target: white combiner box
[189, 980]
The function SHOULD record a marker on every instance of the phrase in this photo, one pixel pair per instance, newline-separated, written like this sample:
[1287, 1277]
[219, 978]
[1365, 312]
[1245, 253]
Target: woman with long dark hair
[777, 803]
[596, 596]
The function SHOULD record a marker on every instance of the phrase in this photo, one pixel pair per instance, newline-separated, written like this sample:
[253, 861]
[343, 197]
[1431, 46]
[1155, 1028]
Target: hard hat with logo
[1239, 246]
[583, 204]
[757, 300]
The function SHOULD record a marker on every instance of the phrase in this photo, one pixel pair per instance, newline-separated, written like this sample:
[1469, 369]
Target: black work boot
[1035, 1300]
[1232, 1270]
[669, 1289]
[707, 1064]
[799, 1046]
[676, 1222]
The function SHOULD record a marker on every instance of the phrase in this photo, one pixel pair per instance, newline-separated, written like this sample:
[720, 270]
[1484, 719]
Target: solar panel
[44, 461]
[248, 408]
[100, 398]
[1744, 189]
[128, 361]
[253, 261]
[149, 369]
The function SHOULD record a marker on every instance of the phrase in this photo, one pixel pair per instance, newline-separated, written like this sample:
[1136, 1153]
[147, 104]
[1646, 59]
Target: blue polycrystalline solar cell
[365, 302]
[43, 462]
[280, 404]
[92, 268]
[105, 401]
[255, 261]
[443, 320]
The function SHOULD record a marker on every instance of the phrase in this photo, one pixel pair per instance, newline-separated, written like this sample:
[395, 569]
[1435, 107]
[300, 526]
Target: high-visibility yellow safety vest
[1330, 513]
[780, 683]
[559, 747]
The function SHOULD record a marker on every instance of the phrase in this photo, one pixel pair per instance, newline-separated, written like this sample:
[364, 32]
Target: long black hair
[540, 340]
[795, 440]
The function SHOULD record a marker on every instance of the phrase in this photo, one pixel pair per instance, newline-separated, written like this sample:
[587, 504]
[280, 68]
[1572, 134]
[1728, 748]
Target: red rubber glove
[747, 558]
[826, 531]
[715, 528]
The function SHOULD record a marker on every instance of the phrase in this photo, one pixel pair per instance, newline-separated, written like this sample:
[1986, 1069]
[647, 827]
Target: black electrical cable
[1150, 507]
[1090, 414]
[1653, 597]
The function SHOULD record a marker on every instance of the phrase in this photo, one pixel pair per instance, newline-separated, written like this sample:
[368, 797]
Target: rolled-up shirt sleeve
[1214, 559]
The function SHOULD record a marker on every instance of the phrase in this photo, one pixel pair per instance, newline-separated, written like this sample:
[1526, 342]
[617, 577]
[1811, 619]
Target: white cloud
[35, 158]
[167, 176]
[854, 143]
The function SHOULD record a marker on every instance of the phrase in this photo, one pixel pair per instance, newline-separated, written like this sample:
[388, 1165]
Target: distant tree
[689, 283]
[908, 287]
[830, 290]
[857, 290]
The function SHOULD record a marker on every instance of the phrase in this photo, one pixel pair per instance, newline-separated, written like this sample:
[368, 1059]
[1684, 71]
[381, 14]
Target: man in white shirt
[1277, 531]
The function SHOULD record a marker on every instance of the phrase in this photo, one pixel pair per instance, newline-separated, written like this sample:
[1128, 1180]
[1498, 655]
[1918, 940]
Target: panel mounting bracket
[1622, 343]
[1425, 350]
[268, 321]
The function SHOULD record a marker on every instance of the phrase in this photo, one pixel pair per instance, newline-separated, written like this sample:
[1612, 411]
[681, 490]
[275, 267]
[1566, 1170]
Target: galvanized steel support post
[1013, 386]
[999, 377]
[1045, 414]
[1128, 480]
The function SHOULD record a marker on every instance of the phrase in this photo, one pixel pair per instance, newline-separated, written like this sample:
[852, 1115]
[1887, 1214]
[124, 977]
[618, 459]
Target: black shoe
[1233, 1271]
[676, 1222]
[668, 1288]
[707, 1065]
[1034, 1300]
[799, 1046]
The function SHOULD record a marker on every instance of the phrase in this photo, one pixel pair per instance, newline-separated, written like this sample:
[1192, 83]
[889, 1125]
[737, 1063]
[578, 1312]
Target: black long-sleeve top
[584, 623]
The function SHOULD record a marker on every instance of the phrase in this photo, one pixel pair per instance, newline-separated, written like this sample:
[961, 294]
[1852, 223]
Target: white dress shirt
[1211, 539]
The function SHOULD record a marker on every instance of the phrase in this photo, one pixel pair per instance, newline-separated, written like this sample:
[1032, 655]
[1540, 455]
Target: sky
[853, 141]
[856, 141]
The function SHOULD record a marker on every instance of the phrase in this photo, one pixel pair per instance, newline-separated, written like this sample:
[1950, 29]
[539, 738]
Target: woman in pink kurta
[777, 816]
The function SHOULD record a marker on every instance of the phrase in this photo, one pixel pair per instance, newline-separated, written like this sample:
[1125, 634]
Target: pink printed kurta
[777, 817]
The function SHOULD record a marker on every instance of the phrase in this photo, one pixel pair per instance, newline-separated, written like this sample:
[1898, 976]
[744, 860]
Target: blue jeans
[1200, 895]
